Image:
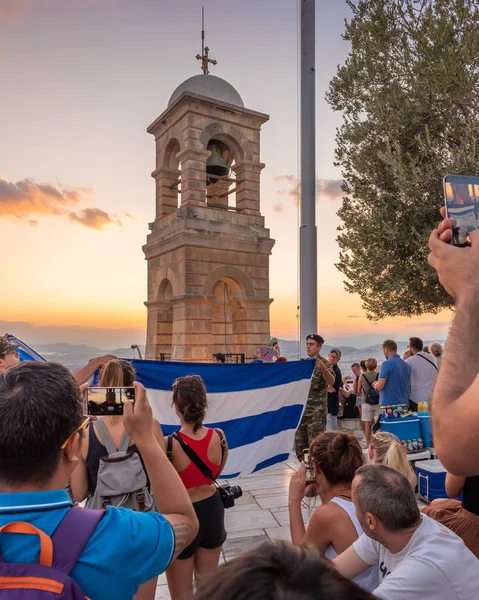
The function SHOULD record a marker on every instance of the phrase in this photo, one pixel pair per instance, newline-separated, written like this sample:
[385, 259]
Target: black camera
[230, 493]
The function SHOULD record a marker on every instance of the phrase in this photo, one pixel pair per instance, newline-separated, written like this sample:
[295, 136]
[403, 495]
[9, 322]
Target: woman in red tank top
[201, 558]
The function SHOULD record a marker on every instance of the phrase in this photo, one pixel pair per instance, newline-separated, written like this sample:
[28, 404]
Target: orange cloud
[26, 199]
[278, 207]
[94, 218]
[331, 188]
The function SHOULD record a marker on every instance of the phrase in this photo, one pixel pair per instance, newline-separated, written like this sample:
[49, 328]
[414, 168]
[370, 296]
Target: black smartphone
[310, 474]
[462, 206]
[103, 401]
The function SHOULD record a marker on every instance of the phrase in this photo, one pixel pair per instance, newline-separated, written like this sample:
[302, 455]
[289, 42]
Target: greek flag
[258, 406]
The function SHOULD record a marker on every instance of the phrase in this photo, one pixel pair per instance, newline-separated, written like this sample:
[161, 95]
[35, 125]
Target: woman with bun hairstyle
[201, 558]
[386, 449]
[116, 373]
[333, 526]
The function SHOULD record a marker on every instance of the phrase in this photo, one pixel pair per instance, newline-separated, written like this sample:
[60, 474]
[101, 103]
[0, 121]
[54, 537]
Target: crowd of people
[368, 388]
[153, 503]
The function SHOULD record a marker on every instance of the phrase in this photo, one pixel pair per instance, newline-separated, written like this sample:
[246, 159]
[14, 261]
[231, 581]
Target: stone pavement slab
[261, 514]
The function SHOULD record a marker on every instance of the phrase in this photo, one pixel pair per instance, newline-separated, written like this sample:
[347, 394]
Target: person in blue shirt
[41, 430]
[394, 377]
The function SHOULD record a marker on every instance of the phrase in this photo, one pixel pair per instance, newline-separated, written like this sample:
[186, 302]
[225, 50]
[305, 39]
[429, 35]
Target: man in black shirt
[334, 357]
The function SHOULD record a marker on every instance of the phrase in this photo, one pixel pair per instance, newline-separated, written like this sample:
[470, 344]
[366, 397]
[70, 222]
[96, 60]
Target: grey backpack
[121, 479]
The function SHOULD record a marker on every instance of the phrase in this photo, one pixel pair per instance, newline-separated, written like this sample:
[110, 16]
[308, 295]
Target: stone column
[159, 329]
[192, 329]
[248, 174]
[166, 197]
[193, 176]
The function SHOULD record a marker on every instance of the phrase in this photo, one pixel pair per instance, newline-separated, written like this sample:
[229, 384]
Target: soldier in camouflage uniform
[316, 411]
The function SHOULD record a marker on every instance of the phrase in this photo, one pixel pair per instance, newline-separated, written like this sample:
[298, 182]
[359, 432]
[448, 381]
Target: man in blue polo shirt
[394, 377]
[41, 430]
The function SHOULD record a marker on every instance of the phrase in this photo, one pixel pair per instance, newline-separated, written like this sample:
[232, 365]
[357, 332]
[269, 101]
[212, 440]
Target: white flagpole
[308, 233]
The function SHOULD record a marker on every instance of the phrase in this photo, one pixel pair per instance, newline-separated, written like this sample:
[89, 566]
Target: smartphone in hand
[461, 195]
[310, 474]
[103, 401]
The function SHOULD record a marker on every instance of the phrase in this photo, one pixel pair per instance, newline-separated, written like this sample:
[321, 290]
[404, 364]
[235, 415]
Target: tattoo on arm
[183, 536]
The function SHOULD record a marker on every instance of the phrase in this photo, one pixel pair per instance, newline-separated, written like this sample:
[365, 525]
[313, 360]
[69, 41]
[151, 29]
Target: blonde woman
[116, 373]
[386, 449]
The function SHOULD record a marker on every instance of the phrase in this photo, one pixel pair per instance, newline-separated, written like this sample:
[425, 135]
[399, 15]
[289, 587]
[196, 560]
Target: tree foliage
[409, 95]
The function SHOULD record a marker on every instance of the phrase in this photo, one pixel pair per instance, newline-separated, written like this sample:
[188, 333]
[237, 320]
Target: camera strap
[195, 459]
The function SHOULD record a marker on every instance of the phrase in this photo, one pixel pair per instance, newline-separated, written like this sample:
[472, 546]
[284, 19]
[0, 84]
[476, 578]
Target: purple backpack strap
[72, 535]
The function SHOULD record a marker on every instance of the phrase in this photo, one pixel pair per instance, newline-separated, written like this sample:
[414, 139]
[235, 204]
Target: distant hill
[78, 355]
[61, 349]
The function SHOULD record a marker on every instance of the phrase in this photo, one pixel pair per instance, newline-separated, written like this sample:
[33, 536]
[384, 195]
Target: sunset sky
[80, 82]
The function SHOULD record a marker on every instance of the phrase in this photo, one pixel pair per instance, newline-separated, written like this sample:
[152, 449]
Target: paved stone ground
[260, 514]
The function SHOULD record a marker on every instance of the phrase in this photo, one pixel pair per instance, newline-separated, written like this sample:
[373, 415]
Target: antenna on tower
[205, 60]
[202, 30]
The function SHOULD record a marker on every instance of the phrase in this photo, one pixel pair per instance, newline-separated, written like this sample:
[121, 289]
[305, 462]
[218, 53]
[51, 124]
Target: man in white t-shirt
[418, 558]
[423, 372]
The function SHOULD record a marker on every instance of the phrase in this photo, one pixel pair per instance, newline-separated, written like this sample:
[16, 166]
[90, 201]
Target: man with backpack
[370, 407]
[75, 552]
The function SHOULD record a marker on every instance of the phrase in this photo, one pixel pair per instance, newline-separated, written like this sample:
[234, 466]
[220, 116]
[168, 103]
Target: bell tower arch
[208, 250]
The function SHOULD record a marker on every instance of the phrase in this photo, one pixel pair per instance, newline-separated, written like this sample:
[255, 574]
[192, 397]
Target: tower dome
[209, 86]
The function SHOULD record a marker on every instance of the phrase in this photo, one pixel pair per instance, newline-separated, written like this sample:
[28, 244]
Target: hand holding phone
[138, 417]
[310, 474]
[462, 207]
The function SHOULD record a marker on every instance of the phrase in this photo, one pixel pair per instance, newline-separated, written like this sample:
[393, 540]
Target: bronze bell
[215, 165]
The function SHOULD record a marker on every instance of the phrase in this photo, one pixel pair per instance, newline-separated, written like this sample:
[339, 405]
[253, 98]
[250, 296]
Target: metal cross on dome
[205, 60]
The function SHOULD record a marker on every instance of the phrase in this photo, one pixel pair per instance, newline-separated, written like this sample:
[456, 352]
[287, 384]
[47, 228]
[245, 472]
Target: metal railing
[234, 357]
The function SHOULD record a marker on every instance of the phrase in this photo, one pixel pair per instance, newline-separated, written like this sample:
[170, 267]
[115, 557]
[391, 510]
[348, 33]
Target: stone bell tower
[208, 250]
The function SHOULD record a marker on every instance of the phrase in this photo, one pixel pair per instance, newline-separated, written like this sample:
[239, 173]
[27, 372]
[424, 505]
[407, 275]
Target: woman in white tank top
[333, 526]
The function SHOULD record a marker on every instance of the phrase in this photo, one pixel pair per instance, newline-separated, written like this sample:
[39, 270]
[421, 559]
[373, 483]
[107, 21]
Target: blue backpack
[49, 579]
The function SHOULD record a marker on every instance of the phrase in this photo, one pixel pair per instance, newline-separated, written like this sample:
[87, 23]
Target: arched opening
[171, 162]
[220, 192]
[165, 320]
[234, 148]
[227, 324]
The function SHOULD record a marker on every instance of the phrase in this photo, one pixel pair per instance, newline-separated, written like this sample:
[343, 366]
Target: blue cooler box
[431, 480]
[405, 428]
[426, 430]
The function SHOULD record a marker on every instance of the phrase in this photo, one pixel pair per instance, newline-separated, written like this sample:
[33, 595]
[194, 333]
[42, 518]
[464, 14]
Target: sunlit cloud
[354, 317]
[278, 207]
[329, 188]
[24, 200]
[94, 218]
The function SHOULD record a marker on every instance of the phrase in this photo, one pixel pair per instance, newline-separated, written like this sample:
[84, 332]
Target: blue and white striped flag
[258, 406]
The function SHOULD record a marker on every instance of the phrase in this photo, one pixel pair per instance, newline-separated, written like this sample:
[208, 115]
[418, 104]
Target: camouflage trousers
[312, 424]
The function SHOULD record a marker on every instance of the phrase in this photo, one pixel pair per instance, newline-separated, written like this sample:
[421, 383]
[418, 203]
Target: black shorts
[212, 532]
